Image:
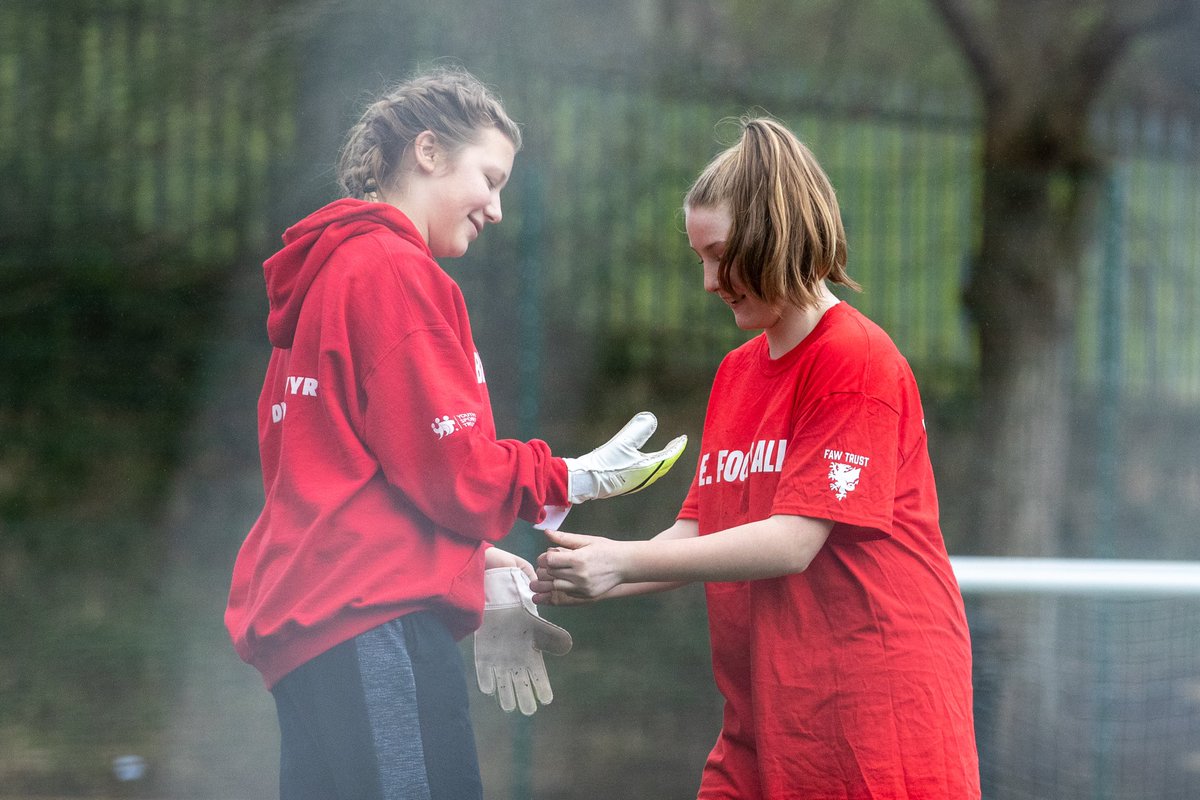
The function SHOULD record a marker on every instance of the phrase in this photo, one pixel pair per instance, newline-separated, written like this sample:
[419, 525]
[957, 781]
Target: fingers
[561, 599]
[554, 590]
[565, 573]
[571, 541]
[555, 573]
[517, 689]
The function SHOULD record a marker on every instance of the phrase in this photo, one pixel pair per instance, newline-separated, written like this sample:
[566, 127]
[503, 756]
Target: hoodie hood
[307, 246]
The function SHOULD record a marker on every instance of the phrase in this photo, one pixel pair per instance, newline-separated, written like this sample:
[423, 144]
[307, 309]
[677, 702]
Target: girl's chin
[451, 251]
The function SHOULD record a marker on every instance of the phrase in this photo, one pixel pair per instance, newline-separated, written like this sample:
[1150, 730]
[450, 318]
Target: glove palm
[510, 643]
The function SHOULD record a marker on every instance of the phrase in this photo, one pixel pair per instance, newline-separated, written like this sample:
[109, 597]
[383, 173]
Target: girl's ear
[426, 151]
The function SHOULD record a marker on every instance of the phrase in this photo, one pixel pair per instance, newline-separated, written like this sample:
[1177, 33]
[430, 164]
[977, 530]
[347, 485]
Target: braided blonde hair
[450, 102]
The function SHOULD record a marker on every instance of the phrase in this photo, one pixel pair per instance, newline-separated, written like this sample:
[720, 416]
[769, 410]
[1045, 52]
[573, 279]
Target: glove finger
[504, 690]
[541, 682]
[524, 691]
[659, 464]
[485, 677]
[550, 638]
[637, 431]
[669, 454]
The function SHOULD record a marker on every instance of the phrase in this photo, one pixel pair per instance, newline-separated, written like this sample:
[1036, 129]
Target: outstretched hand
[577, 570]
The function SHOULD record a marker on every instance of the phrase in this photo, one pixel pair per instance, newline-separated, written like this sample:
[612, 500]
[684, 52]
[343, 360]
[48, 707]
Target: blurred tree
[827, 49]
[1040, 66]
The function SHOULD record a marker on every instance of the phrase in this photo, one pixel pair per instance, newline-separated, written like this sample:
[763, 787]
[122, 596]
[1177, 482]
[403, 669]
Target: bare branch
[1161, 16]
[1112, 37]
[978, 47]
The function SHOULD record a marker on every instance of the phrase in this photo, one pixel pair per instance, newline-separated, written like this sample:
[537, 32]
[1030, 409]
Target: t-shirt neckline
[773, 365]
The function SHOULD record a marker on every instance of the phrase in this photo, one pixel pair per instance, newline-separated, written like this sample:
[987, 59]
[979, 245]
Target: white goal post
[1076, 576]
[1086, 675]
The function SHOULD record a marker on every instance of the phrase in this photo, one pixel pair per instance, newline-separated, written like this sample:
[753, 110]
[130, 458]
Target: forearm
[779, 545]
[682, 530]
[637, 589]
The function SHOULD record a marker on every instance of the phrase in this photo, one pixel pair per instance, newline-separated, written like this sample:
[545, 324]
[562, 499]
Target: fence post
[1108, 478]
[1111, 310]
[529, 367]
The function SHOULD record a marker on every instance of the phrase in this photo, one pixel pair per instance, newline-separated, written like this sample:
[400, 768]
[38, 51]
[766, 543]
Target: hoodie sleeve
[422, 405]
[423, 421]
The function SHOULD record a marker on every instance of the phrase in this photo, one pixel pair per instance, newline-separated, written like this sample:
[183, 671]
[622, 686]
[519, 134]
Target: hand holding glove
[618, 467]
[509, 644]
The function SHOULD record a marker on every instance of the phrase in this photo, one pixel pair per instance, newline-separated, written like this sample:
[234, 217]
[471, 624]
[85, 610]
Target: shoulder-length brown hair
[786, 231]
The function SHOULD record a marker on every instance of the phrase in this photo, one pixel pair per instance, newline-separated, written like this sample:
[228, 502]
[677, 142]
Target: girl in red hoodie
[384, 481]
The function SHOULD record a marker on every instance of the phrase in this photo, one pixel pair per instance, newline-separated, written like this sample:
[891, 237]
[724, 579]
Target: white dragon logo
[843, 478]
[444, 427]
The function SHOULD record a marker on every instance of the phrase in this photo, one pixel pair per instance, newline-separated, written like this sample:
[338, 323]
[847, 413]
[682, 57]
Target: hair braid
[449, 102]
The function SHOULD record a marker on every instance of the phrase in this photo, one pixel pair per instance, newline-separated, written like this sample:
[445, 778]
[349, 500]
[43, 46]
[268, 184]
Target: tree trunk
[1038, 207]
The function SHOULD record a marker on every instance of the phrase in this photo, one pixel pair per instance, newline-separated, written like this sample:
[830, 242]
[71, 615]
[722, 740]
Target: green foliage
[135, 144]
[103, 338]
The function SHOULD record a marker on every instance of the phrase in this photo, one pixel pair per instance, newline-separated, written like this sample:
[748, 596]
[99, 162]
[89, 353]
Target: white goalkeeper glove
[510, 643]
[618, 467]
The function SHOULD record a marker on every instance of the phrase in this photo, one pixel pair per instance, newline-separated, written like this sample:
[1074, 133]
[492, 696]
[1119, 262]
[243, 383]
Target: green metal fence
[158, 118]
[1149, 250]
[615, 158]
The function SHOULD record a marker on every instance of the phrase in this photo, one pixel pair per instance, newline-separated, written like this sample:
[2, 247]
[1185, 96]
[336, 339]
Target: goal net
[1087, 677]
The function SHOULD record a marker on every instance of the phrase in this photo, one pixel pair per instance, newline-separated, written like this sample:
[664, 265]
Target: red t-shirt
[852, 679]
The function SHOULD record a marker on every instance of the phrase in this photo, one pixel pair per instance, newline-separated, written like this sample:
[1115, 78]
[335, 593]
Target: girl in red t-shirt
[838, 633]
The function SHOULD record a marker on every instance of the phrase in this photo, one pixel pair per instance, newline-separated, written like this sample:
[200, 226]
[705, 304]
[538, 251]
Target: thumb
[550, 638]
[637, 431]
[571, 541]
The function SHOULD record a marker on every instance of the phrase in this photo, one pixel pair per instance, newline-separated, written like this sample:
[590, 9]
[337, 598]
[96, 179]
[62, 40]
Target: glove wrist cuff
[581, 485]
[505, 587]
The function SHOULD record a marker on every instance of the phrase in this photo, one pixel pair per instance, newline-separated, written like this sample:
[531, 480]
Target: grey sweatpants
[383, 716]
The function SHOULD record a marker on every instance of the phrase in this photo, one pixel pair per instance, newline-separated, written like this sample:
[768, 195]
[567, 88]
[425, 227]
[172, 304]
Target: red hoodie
[381, 469]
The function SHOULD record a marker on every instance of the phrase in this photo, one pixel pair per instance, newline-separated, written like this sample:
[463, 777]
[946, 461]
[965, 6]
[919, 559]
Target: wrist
[625, 561]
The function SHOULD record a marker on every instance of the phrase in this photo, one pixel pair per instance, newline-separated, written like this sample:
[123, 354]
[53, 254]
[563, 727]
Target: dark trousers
[383, 716]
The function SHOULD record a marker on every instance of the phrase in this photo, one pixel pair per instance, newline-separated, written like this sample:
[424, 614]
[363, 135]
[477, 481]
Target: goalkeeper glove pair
[510, 643]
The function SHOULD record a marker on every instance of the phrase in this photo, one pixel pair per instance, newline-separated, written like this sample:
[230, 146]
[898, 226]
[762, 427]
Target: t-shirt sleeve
[691, 503]
[841, 465]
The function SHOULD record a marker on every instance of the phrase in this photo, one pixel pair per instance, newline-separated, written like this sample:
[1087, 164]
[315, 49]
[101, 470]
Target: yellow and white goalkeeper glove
[619, 467]
[510, 643]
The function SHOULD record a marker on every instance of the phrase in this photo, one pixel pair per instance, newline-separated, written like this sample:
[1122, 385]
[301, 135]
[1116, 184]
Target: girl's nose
[710, 279]
[492, 211]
